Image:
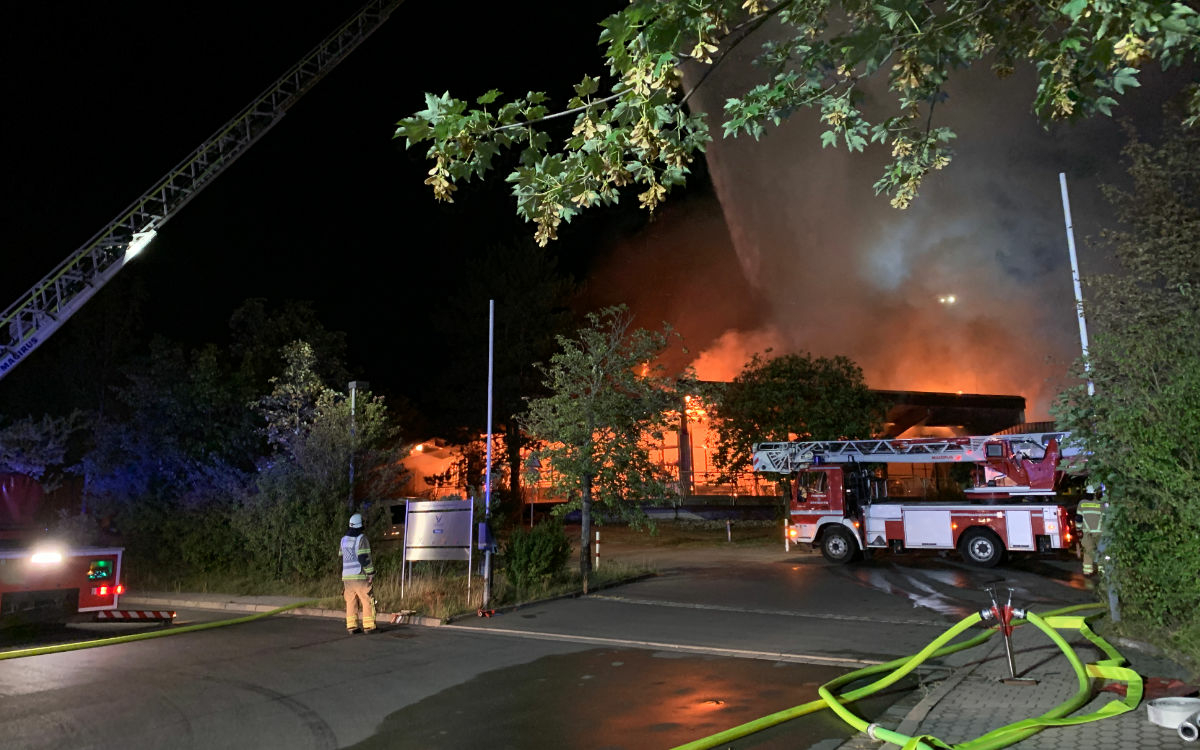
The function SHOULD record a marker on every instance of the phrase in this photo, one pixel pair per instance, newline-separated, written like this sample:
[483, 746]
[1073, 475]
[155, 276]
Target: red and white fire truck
[841, 504]
[43, 580]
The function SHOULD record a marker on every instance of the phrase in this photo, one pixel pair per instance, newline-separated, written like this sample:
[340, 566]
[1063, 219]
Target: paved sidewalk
[976, 700]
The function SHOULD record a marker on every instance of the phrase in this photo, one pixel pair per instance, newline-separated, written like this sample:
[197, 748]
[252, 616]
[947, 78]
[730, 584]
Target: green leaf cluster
[534, 557]
[40, 448]
[1141, 429]
[607, 391]
[791, 397]
[1086, 53]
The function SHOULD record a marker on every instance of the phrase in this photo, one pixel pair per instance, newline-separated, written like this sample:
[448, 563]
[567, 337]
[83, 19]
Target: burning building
[439, 470]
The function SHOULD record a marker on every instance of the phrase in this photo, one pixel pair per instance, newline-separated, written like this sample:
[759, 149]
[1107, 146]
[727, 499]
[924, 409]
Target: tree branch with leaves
[642, 134]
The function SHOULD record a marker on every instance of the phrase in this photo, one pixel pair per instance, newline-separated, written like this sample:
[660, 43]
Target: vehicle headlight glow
[47, 557]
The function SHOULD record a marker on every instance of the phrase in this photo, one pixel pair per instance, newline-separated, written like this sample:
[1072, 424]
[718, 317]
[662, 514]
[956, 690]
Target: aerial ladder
[37, 314]
[1008, 465]
[788, 457]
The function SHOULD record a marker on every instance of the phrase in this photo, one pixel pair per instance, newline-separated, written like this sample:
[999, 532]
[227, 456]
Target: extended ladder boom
[785, 458]
[40, 311]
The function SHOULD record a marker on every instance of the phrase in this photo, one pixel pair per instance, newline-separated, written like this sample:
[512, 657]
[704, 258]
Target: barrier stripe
[135, 614]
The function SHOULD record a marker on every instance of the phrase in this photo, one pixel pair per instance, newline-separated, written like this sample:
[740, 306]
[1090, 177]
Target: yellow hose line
[20, 653]
[813, 706]
[1109, 668]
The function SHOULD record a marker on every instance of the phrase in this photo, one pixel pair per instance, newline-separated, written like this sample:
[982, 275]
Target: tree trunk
[585, 526]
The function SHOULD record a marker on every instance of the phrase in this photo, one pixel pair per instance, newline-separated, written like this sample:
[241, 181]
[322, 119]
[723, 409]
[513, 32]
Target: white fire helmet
[356, 521]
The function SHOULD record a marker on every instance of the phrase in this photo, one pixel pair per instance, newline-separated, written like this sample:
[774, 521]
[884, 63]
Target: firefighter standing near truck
[357, 575]
[1089, 517]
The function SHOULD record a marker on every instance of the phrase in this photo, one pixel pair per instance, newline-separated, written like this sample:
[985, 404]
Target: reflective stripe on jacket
[356, 558]
[1090, 514]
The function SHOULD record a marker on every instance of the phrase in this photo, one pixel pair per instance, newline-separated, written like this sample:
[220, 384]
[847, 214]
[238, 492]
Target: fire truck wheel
[837, 546]
[981, 547]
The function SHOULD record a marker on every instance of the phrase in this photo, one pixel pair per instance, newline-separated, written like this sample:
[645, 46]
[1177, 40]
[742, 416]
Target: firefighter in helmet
[357, 575]
[1088, 518]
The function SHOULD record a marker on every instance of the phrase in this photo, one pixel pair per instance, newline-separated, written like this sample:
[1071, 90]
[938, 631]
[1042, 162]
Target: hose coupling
[871, 731]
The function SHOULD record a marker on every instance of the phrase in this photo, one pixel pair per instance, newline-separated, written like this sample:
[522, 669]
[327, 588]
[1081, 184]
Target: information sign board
[437, 530]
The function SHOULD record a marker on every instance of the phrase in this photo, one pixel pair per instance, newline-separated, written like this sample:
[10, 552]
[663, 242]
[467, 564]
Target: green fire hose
[17, 654]
[1109, 668]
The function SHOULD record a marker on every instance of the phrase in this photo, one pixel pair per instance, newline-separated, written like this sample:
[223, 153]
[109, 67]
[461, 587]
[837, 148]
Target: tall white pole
[1114, 606]
[353, 389]
[487, 477]
[1083, 338]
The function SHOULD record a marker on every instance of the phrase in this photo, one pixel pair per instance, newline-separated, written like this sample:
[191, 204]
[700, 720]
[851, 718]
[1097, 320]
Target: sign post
[487, 469]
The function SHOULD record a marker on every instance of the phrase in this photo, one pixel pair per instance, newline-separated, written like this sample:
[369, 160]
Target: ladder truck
[38, 313]
[839, 502]
[39, 579]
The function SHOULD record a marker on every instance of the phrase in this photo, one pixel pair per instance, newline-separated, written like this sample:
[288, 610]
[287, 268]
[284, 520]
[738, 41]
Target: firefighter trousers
[358, 593]
[1088, 543]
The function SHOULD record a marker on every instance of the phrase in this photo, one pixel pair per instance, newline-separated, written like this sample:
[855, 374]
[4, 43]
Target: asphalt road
[720, 637]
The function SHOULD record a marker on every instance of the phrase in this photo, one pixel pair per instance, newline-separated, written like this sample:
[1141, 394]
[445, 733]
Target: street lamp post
[354, 386]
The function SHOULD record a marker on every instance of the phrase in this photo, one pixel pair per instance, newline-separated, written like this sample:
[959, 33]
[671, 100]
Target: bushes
[533, 557]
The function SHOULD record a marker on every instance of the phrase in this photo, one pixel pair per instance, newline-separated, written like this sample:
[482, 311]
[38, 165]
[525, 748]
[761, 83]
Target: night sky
[103, 99]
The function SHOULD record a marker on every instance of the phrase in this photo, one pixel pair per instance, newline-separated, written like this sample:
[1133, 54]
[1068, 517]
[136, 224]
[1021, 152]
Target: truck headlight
[46, 557]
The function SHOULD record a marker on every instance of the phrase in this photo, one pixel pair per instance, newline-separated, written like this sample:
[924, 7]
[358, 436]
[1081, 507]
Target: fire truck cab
[839, 500]
[43, 580]
[58, 584]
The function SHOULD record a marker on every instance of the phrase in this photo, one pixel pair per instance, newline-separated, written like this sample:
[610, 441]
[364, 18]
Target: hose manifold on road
[1110, 668]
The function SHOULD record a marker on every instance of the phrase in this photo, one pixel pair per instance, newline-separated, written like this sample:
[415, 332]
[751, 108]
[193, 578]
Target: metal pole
[404, 551]
[353, 390]
[597, 551]
[1114, 607]
[1083, 337]
[487, 477]
[471, 562]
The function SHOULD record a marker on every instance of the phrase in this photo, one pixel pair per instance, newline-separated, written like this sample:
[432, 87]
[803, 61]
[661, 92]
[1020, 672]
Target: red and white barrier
[402, 616]
[135, 614]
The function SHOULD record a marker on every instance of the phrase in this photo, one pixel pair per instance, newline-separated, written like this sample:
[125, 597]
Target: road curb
[403, 617]
[912, 721]
[909, 717]
[509, 608]
[393, 618]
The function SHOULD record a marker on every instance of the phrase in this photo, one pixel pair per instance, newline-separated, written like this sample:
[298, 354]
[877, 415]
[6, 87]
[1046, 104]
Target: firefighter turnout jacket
[1088, 515]
[356, 557]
